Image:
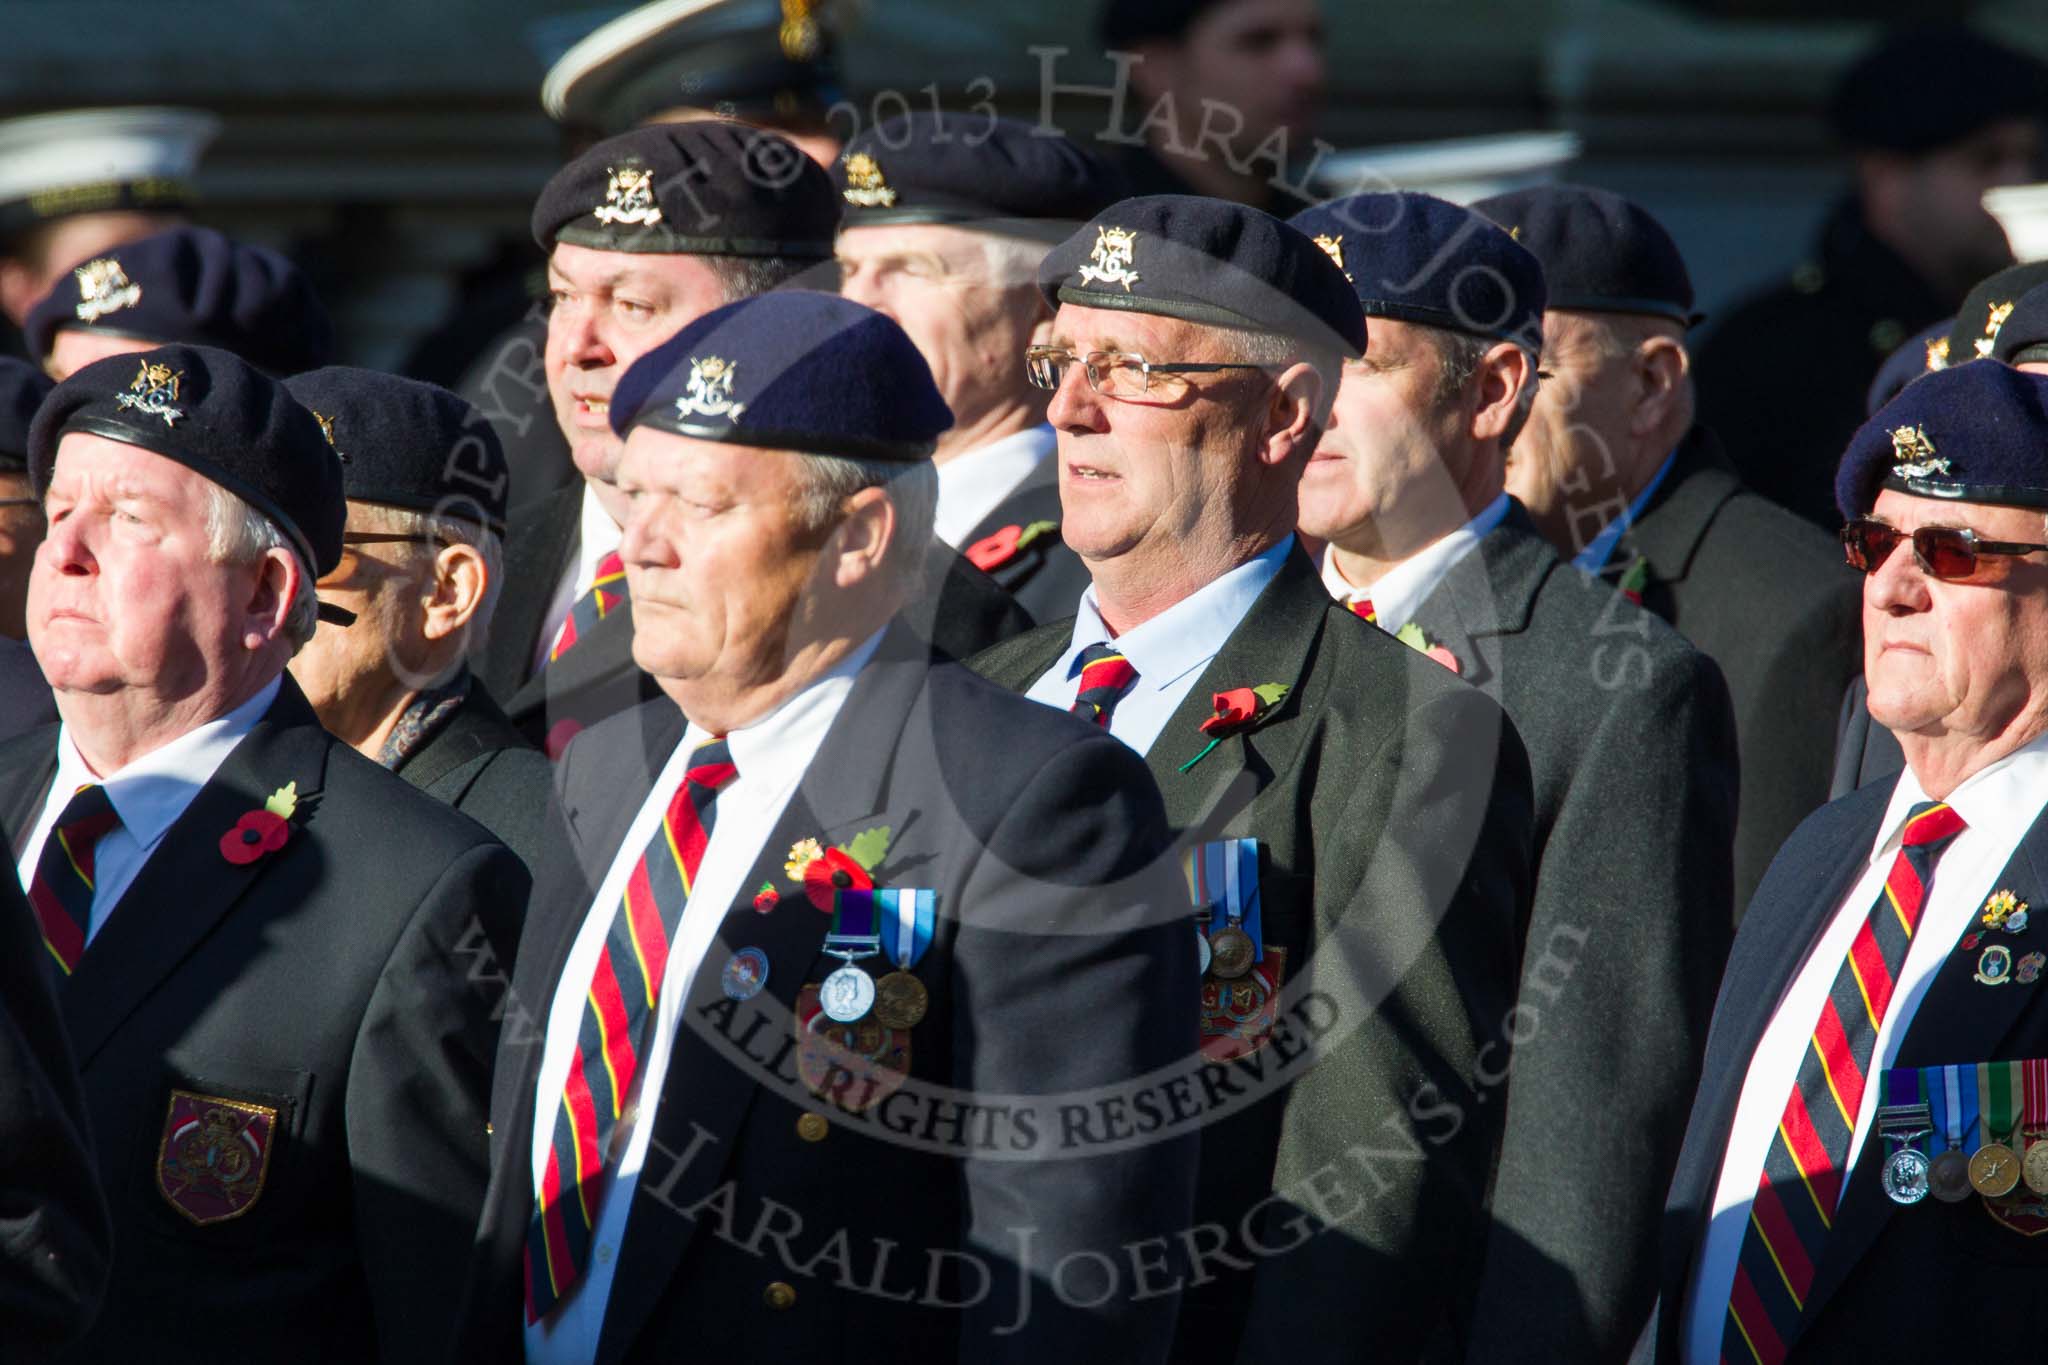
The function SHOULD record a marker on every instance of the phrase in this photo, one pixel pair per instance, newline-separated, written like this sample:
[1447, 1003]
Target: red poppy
[766, 898]
[996, 550]
[832, 873]
[1444, 657]
[1234, 709]
[255, 834]
[1969, 941]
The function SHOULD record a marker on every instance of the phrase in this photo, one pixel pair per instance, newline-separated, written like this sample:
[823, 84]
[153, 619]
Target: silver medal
[1905, 1176]
[847, 995]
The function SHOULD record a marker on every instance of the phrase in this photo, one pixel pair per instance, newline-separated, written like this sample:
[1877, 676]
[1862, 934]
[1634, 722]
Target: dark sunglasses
[1945, 552]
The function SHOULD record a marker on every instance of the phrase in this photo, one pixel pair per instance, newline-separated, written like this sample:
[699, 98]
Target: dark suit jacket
[54, 1240]
[1061, 954]
[1771, 601]
[1391, 803]
[1893, 1283]
[1632, 748]
[484, 768]
[962, 611]
[1865, 751]
[1045, 577]
[326, 980]
[25, 700]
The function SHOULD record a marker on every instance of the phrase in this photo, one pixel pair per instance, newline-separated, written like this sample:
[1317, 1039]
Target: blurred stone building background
[394, 146]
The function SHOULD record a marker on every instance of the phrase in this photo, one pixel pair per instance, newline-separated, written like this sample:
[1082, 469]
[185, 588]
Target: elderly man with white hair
[261, 941]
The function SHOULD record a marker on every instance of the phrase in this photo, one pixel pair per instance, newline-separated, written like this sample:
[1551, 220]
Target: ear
[1504, 372]
[273, 586]
[860, 543]
[1294, 414]
[1659, 369]
[20, 289]
[1041, 325]
[456, 594]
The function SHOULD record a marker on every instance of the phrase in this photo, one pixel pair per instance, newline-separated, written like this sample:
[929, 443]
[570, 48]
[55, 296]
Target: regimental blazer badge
[708, 392]
[154, 390]
[103, 288]
[865, 187]
[214, 1156]
[1114, 254]
[1333, 247]
[1913, 454]
[1999, 313]
[629, 198]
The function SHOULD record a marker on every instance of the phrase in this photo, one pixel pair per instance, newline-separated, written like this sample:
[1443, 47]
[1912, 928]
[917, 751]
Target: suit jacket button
[779, 1296]
[812, 1127]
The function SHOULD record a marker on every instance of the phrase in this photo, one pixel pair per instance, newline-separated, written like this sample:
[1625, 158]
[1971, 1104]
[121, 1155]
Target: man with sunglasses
[1357, 818]
[421, 568]
[1891, 934]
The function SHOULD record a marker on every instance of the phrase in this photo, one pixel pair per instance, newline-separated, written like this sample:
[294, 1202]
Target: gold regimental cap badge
[1913, 454]
[865, 187]
[1111, 261]
[709, 390]
[1937, 354]
[629, 198]
[103, 288]
[153, 390]
[1999, 313]
[1333, 247]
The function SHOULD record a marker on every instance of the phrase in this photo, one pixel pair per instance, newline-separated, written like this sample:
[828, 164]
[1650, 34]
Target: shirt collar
[152, 792]
[1405, 587]
[1596, 554]
[795, 726]
[597, 534]
[2001, 800]
[1187, 634]
[974, 483]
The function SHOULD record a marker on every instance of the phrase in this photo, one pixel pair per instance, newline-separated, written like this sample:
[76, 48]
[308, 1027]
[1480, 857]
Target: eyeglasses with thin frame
[1950, 553]
[1119, 374]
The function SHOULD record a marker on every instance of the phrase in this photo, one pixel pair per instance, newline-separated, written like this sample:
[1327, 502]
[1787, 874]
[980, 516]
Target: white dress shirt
[1405, 587]
[149, 795]
[1998, 806]
[1169, 651]
[974, 484]
[1593, 558]
[772, 755]
[597, 535]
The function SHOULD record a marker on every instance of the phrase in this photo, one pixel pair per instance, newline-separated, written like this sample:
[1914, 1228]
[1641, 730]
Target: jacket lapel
[1487, 594]
[33, 767]
[535, 552]
[1670, 530]
[186, 886]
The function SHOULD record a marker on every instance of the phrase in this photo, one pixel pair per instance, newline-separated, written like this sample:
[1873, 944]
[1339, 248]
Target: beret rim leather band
[1190, 310]
[795, 442]
[161, 443]
[1997, 495]
[662, 242]
[1607, 303]
[2032, 353]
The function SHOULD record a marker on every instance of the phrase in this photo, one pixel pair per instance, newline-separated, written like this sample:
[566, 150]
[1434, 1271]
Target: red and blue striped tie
[621, 1000]
[608, 592]
[1106, 678]
[61, 890]
[1801, 1188]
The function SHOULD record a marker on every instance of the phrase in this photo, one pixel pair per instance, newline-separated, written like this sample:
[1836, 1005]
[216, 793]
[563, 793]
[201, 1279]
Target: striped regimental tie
[617, 1010]
[61, 890]
[608, 592]
[1106, 679]
[1801, 1189]
[1361, 607]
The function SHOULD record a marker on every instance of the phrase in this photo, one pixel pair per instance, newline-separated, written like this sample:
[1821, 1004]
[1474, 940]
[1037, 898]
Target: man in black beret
[1631, 746]
[646, 232]
[1621, 477]
[947, 220]
[1367, 813]
[2023, 341]
[807, 755]
[422, 564]
[25, 700]
[186, 284]
[1933, 117]
[1880, 1030]
[1225, 95]
[261, 940]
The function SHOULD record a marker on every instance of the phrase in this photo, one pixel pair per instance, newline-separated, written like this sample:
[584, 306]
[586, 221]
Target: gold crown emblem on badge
[1913, 453]
[798, 33]
[708, 391]
[1114, 254]
[629, 198]
[1333, 247]
[153, 390]
[865, 187]
[103, 288]
[1999, 313]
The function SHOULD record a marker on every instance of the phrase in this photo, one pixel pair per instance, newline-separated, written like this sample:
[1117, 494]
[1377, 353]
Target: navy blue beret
[1922, 354]
[22, 390]
[958, 168]
[1206, 261]
[1600, 252]
[707, 188]
[792, 370]
[2024, 337]
[1931, 85]
[218, 416]
[406, 443]
[192, 285]
[1416, 258]
[1970, 433]
[1980, 322]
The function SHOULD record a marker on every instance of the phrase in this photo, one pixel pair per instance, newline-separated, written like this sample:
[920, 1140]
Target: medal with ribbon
[1903, 1120]
[2034, 1124]
[1994, 1166]
[908, 917]
[1223, 879]
[1954, 1102]
[849, 993]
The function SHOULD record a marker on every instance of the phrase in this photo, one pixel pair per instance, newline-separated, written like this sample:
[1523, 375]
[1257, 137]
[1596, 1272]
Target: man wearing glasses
[421, 567]
[1892, 939]
[1356, 818]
